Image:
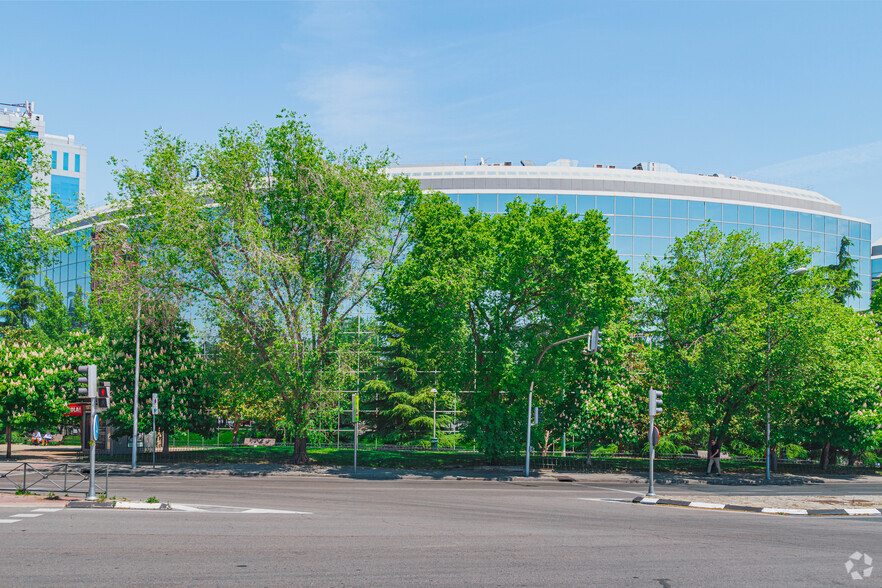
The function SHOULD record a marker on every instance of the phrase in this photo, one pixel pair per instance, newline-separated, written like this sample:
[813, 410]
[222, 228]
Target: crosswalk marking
[9, 520]
[27, 515]
[47, 509]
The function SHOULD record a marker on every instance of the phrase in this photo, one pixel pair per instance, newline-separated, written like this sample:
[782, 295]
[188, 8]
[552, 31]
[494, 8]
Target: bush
[611, 448]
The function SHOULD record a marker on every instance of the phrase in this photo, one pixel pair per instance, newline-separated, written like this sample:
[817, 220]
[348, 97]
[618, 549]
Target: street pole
[434, 418]
[137, 380]
[530, 399]
[355, 452]
[92, 440]
[154, 439]
[651, 455]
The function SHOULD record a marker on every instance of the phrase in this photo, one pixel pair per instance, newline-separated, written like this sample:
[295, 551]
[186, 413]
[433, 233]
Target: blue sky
[786, 92]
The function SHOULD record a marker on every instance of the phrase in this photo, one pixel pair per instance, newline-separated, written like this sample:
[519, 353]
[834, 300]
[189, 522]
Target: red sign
[75, 410]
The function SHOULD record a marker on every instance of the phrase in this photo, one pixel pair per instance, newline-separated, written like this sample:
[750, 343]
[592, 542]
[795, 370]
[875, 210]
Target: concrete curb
[780, 511]
[119, 504]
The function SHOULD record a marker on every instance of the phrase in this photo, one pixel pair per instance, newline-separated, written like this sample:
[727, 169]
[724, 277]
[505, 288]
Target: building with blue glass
[651, 204]
[876, 262]
[67, 176]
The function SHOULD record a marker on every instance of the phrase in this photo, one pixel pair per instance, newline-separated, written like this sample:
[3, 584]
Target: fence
[58, 478]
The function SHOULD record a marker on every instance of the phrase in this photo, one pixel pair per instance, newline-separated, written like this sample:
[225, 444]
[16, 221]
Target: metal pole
[154, 439]
[768, 451]
[92, 440]
[529, 426]
[768, 375]
[355, 452]
[137, 378]
[651, 457]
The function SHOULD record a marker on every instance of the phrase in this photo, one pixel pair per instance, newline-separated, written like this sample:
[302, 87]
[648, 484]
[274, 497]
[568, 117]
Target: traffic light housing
[103, 399]
[594, 341]
[537, 415]
[89, 379]
[655, 401]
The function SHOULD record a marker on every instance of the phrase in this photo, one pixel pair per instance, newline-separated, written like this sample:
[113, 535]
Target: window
[624, 226]
[643, 207]
[661, 207]
[730, 213]
[642, 246]
[714, 211]
[829, 224]
[678, 208]
[77, 163]
[661, 227]
[805, 221]
[776, 218]
[568, 201]
[624, 205]
[467, 201]
[865, 231]
[831, 243]
[606, 204]
[660, 246]
[696, 210]
[763, 233]
[624, 244]
[745, 214]
[678, 227]
[586, 203]
[761, 216]
[776, 234]
[855, 230]
[505, 199]
[642, 226]
[64, 160]
[487, 203]
[791, 220]
[55, 160]
[818, 223]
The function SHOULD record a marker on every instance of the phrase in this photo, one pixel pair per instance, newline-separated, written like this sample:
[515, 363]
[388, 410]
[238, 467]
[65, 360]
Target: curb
[779, 511]
[122, 505]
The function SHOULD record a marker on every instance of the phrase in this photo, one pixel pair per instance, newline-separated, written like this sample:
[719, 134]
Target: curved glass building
[651, 204]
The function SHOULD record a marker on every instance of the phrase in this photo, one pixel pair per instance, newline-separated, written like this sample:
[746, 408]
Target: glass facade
[642, 227]
[70, 269]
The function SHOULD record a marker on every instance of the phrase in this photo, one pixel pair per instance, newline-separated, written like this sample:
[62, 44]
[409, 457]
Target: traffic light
[103, 399]
[594, 341]
[655, 401]
[90, 379]
[537, 415]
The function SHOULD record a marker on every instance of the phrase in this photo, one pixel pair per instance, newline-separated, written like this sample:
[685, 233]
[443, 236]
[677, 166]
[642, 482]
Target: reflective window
[854, 229]
[467, 201]
[730, 213]
[763, 233]
[831, 243]
[642, 225]
[876, 267]
[694, 225]
[487, 203]
[865, 248]
[776, 234]
[696, 210]
[606, 204]
[678, 227]
[506, 199]
[864, 267]
[643, 207]
[805, 237]
[586, 203]
[865, 231]
[661, 207]
[829, 224]
[842, 226]
[660, 246]
[624, 244]
[817, 258]
[678, 208]
[624, 205]
[549, 200]
[729, 228]
[776, 217]
[642, 246]
[761, 215]
[745, 214]
[742, 228]
[818, 223]
[568, 201]
[661, 227]
[805, 221]
[830, 258]
[714, 211]
[790, 235]
[625, 225]
[791, 220]
[818, 240]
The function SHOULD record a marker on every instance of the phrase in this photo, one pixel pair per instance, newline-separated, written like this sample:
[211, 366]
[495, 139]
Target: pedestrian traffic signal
[655, 401]
[89, 380]
[103, 399]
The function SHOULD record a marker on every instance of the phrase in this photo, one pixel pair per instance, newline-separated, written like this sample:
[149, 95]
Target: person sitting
[37, 438]
[47, 438]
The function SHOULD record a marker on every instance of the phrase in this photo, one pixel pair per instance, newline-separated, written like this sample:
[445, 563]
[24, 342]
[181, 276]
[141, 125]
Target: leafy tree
[170, 368]
[20, 310]
[876, 301]
[846, 283]
[484, 294]
[53, 323]
[278, 234]
[722, 312]
[398, 404]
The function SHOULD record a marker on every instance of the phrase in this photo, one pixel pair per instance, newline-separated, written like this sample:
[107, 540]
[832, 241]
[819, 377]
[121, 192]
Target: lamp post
[434, 418]
[530, 398]
[797, 272]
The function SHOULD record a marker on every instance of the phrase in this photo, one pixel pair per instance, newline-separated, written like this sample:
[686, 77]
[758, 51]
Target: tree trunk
[8, 441]
[165, 436]
[236, 425]
[299, 456]
[588, 451]
[825, 456]
[545, 443]
[851, 458]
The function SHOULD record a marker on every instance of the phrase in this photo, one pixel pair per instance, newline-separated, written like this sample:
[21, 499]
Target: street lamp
[434, 418]
[532, 382]
[797, 272]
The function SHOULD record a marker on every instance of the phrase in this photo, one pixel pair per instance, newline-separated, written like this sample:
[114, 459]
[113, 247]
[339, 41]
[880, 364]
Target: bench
[259, 442]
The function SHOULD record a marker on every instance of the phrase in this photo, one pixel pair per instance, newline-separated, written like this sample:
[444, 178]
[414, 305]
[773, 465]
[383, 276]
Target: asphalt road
[425, 532]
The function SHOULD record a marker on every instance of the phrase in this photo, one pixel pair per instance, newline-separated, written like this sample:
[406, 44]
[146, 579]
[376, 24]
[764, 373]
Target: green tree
[723, 312]
[876, 301]
[171, 368]
[482, 295]
[398, 403]
[279, 234]
[846, 282]
[20, 310]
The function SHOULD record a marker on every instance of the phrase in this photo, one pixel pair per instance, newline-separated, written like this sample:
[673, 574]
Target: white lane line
[617, 490]
[27, 515]
[47, 509]
[272, 511]
[619, 500]
[10, 520]
[214, 508]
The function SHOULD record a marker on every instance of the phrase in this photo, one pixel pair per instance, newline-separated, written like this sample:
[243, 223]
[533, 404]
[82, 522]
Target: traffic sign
[656, 435]
[74, 409]
[155, 408]
[95, 426]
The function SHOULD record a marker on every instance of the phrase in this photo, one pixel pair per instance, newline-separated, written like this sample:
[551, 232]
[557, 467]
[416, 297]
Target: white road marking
[619, 500]
[617, 490]
[706, 505]
[47, 509]
[215, 508]
[9, 520]
[27, 515]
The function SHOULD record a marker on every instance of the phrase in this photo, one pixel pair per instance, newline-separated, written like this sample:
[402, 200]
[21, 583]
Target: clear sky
[785, 92]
